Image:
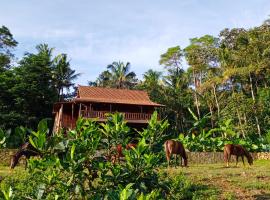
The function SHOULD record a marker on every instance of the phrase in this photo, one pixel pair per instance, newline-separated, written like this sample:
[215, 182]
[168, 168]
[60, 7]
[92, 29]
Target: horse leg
[168, 158]
[228, 159]
[237, 160]
[243, 160]
[181, 162]
[175, 162]
[225, 155]
[26, 159]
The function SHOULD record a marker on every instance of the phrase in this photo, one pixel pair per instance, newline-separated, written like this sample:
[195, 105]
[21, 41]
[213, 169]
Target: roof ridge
[111, 88]
[114, 95]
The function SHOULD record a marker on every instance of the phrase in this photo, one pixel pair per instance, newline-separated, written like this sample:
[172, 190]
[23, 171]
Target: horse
[26, 150]
[176, 148]
[119, 151]
[237, 150]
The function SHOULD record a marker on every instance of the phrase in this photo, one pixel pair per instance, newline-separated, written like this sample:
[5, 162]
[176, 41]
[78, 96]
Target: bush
[70, 169]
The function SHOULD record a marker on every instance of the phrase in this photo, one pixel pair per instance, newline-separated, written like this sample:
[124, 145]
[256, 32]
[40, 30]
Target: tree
[177, 97]
[121, 76]
[201, 55]
[103, 80]
[63, 75]
[7, 43]
[152, 84]
[172, 58]
[117, 75]
[35, 92]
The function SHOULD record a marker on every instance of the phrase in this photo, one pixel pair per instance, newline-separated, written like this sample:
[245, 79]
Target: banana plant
[2, 139]
[38, 138]
[199, 123]
[154, 134]
[115, 130]
[226, 129]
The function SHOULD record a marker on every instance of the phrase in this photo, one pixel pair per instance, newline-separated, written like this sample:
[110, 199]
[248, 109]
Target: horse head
[185, 162]
[14, 161]
[250, 159]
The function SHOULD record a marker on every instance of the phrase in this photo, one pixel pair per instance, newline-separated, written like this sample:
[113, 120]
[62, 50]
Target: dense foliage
[30, 87]
[227, 79]
[70, 167]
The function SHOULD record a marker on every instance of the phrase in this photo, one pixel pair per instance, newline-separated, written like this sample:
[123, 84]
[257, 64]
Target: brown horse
[175, 147]
[119, 151]
[237, 150]
[26, 150]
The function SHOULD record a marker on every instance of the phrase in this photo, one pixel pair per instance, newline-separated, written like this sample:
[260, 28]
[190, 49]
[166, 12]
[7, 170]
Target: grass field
[220, 182]
[215, 181]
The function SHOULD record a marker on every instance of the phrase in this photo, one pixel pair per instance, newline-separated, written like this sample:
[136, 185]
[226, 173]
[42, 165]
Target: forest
[215, 83]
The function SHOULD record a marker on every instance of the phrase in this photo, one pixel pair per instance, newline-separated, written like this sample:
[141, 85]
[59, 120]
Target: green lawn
[214, 181]
[5, 171]
[230, 183]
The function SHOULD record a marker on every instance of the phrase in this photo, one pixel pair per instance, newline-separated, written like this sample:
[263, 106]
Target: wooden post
[55, 123]
[72, 115]
[72, 111]
[90, 110]
[61, 115]
[59, 123]
[80, 110]
[86, 111]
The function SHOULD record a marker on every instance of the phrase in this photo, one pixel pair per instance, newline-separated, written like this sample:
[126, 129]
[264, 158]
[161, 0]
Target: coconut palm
[121, 76]
[63, 75]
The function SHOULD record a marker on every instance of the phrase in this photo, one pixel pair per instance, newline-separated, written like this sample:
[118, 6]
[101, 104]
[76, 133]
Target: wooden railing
[127, 115]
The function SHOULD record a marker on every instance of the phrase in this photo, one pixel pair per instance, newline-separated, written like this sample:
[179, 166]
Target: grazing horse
[175, 147]
[237, 150]
[26, 150]
[119, 151]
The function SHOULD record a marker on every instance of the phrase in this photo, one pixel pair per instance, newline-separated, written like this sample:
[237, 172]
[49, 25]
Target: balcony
[129, 117]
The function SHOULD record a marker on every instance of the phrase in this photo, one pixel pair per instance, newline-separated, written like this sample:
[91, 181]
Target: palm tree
[63, 75]
[121, 76]
[152, 78]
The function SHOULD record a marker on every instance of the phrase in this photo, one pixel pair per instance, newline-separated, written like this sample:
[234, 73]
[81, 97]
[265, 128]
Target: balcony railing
[101, 115]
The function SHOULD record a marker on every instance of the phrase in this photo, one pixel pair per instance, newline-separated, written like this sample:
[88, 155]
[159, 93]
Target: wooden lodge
[95, 102]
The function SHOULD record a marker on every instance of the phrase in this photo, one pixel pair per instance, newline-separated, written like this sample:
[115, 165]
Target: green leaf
[72, 151]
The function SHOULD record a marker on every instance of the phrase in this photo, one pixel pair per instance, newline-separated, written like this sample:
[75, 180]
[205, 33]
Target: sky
[94, 33]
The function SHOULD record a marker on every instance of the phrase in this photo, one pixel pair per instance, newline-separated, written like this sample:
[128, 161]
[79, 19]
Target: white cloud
[96, 33]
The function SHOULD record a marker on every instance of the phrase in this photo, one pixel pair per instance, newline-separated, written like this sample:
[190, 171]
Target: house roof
[112, 95]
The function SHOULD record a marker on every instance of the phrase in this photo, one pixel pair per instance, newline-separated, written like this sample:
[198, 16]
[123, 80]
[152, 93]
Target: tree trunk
[195, 95]
[215, 95]
[254, 101]
[240, 122]
[211, 112]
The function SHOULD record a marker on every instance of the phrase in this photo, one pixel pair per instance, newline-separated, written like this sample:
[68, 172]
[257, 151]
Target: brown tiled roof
[111, 95]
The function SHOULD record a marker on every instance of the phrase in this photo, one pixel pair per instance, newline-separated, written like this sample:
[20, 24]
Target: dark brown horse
[237, 150]
[176, 148]
[119, 151]
[26, 150]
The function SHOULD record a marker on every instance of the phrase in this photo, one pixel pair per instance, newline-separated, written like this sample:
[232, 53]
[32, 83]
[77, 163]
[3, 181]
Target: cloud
[96, 33]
